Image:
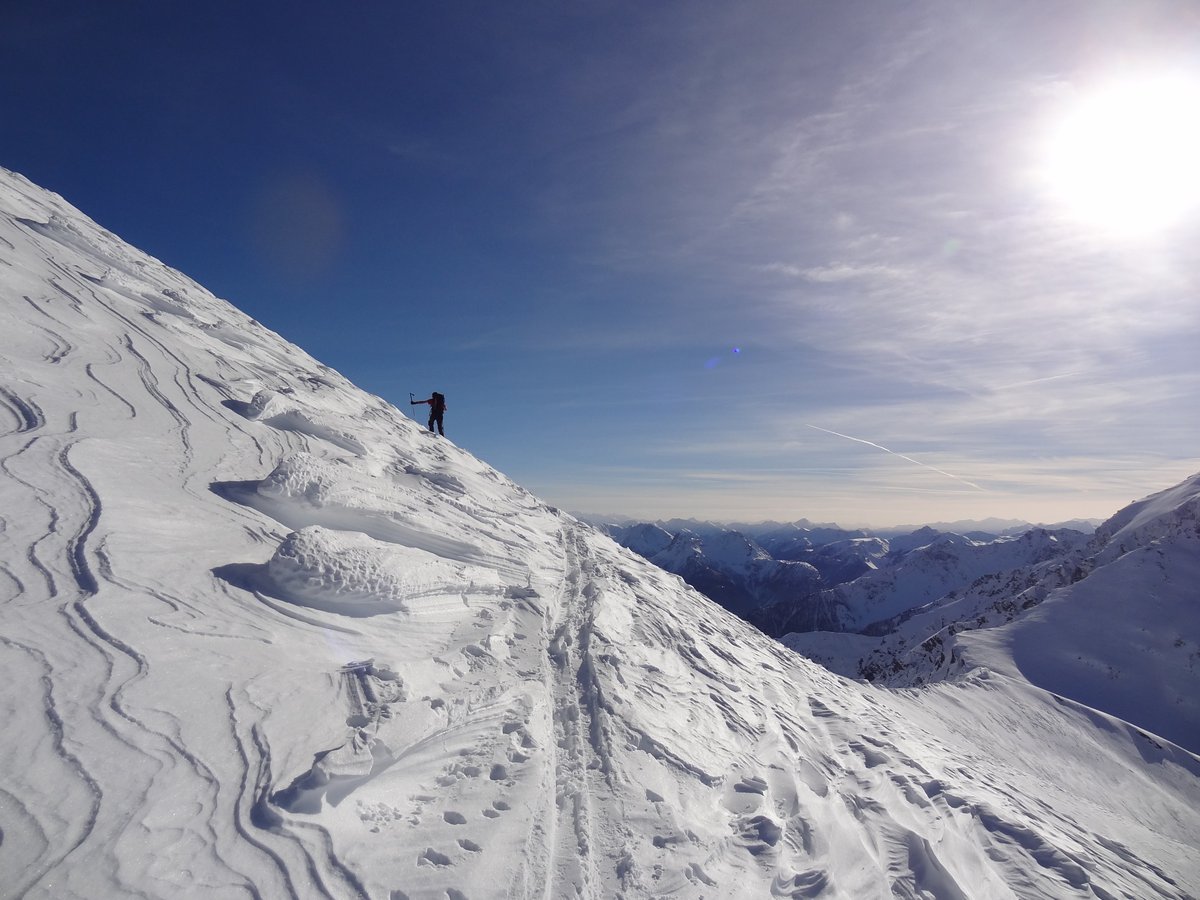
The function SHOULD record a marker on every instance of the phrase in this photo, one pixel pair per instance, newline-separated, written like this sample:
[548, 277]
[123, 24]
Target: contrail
[1017, 384]
[901, 455]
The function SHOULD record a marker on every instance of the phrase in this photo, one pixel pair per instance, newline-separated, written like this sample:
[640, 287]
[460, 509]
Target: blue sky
[735, 261]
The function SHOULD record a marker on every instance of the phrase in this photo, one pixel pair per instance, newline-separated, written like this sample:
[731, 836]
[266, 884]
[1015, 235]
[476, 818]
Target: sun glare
[1127, 157]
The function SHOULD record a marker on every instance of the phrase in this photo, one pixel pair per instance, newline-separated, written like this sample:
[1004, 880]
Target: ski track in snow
[579, 748]
[265, 636]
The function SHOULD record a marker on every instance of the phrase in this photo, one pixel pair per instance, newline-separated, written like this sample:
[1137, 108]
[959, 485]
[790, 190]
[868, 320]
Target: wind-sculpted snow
[276, 411]
[382, 505]
[353, 574]
[264, 636]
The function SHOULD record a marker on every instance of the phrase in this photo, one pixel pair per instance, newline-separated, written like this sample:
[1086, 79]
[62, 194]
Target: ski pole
[412, 400]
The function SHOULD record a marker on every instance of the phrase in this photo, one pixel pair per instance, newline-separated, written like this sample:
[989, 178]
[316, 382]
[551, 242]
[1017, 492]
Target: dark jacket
[437, 404]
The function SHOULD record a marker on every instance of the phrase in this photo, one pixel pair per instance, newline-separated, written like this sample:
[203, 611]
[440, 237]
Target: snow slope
[264, 636]
[1114, 624]
[1132, 623]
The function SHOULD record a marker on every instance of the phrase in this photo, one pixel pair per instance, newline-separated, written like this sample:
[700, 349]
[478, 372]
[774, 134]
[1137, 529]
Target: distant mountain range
[799, 577]
[990, 526]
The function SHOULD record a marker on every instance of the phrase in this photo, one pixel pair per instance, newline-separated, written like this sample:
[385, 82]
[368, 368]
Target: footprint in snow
[498, 807]
[432, 857]
[520, 736]
[695, 873]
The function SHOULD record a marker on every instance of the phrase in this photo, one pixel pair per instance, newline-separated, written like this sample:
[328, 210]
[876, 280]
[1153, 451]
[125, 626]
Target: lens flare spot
[1124, 158]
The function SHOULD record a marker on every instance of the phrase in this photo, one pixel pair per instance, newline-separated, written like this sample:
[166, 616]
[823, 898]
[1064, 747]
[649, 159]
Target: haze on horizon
[851, 262]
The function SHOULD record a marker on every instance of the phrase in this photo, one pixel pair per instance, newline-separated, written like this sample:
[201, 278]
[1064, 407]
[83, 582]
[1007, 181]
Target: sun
[1126, 158]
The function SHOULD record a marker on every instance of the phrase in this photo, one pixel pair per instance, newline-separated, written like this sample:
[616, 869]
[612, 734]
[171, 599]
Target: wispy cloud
[882, 242]
[833, 272]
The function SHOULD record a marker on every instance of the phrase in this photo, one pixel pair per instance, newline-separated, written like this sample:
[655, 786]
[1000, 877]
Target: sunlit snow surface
[265, 636]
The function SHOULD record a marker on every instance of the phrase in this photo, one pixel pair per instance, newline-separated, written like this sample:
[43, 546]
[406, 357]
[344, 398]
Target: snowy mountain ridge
[1130, 589]
[948, 561]
[1168, 515]
[265, 636]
